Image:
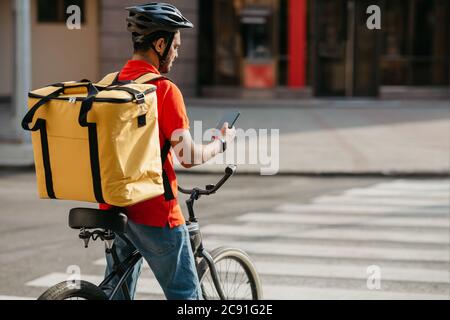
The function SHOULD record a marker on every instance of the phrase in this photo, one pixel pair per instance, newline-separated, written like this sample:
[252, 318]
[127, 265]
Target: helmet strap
[163, 57]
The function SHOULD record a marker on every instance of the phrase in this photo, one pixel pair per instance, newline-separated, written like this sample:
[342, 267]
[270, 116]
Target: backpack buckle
[140, 98]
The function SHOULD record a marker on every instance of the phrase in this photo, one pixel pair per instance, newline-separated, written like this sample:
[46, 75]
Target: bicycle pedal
[86, 242]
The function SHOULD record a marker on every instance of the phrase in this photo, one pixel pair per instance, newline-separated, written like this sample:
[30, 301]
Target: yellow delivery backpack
[98, 142]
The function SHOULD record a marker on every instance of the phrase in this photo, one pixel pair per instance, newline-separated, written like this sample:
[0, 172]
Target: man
[157, 227]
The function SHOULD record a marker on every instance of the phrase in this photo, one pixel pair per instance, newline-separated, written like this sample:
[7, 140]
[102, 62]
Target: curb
[332, 174]
[4, 169]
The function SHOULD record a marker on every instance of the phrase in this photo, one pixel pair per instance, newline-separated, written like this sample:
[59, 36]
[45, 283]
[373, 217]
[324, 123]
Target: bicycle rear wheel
[66, 291]
[237, 275]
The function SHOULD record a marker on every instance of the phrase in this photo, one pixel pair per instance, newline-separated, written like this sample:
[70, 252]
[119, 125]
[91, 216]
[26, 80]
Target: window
[415, 43]
[283, 44]
[55, 10]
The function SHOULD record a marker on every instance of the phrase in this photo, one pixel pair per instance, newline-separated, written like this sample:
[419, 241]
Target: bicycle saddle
[97, 219]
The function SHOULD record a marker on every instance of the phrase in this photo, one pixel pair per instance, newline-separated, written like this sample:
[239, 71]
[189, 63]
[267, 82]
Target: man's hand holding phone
[226, 136]
[227, 129]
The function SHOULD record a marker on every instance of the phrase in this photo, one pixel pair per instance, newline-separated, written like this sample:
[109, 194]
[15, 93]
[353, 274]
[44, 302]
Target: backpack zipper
[81, 99]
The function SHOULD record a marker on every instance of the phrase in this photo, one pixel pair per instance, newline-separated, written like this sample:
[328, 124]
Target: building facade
[252, 48]
[325, 48]
[100, 46]
[56, 52]
[409, 55]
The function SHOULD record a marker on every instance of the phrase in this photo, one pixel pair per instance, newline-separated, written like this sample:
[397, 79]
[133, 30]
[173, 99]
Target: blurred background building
[245, 48]
[324, 48]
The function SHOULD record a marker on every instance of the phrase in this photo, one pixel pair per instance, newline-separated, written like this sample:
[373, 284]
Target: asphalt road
[311, 238]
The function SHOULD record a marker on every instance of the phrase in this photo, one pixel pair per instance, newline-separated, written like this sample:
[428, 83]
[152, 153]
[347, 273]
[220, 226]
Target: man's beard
[165, 67]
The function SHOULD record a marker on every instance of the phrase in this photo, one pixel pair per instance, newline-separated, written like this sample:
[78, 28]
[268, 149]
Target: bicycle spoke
[226, 278]
[235, 276]
[213, 288]
[235, 273]
[233, 286]
[240, 283]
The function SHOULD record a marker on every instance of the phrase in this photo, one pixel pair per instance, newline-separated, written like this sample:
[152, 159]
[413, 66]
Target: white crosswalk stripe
[384, 201]
[347, 233]
[272, 292]
[146, 285]
[355, 252]
[397, 193]
[12, 298]
[363, 209]
[322, 249]
[414, 185]
[318, 219]
[424, 237]
[341, 271]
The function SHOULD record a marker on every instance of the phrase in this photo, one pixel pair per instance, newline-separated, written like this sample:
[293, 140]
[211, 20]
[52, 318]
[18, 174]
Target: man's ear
[160, 45]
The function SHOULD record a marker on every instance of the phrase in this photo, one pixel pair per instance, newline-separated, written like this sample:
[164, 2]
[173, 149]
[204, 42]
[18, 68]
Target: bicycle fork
[215, 276]
[197, 243]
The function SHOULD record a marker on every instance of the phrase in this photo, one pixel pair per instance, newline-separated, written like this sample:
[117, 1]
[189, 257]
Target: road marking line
[145, 285]
[329, 251]
[362, 209]
[397, 193]
[341, 271]
[401, 236]
[12, 298]
[379, 201]
[443, 222]
[443, 186]
[348, 233]
[283, 293]
[271, 292]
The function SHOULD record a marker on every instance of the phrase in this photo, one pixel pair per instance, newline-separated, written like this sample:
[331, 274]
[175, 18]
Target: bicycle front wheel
[66, 291]
[237, 276]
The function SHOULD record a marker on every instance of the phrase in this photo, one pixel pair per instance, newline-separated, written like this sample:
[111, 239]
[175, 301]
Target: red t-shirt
[172, 115]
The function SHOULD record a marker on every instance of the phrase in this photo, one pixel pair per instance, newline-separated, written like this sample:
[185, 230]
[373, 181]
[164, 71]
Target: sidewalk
[325, 136]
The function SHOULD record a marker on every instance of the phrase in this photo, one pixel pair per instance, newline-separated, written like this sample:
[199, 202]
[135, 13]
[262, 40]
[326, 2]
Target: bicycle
[216, 280]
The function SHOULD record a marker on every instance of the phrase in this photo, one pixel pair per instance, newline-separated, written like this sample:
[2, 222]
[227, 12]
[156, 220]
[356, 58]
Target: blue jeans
[168, 253]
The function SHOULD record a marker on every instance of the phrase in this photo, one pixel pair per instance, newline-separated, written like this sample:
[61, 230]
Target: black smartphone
[230, 118]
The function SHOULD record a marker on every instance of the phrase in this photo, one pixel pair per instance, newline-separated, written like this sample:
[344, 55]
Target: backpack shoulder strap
[149, 77]
[168, 192]
[109, 80]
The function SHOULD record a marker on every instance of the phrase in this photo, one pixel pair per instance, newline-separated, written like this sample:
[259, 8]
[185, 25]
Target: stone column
[22, 64]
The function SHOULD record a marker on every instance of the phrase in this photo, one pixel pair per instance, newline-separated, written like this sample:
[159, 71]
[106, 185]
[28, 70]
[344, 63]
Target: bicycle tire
[66, 291]
[242, 259]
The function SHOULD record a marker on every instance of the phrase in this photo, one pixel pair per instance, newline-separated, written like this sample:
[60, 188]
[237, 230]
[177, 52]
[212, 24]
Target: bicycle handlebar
[211, 189]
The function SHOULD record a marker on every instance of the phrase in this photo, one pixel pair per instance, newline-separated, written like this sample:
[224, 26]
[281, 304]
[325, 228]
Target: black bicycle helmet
[149, 18]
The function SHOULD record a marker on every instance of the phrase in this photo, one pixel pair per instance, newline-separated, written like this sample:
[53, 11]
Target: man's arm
[191, 154]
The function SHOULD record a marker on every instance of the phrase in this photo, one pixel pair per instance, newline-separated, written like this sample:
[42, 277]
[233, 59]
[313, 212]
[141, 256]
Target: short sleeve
[174, 115]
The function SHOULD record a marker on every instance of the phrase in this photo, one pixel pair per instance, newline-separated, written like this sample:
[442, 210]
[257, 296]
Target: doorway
[239, 45]
[416, 43]
[411, 49]
[6, 52]
[345, 52]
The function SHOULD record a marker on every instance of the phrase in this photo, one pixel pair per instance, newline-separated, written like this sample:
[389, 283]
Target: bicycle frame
[125, 268]
[122, 269]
